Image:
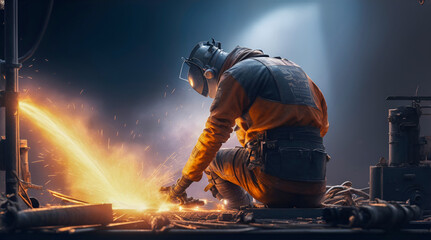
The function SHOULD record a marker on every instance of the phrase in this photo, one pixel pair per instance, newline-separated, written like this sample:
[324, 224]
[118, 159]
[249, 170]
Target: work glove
[177, 192]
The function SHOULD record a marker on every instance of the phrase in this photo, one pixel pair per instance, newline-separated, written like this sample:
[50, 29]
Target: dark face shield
[194, 75]
[202, 69]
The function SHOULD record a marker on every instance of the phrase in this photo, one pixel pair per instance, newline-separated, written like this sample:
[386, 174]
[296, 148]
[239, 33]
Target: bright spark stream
[98, 175]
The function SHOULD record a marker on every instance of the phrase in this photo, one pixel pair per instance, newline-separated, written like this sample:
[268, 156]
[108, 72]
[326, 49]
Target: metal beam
[11, 68]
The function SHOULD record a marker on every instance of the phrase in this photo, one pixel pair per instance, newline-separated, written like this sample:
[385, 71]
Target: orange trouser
[230, 175]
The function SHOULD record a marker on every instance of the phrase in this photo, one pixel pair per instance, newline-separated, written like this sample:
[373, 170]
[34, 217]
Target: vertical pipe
[24, 169]
[11, 95]
[376, 182]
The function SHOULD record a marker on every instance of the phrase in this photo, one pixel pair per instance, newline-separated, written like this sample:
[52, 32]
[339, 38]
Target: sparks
[98, 175]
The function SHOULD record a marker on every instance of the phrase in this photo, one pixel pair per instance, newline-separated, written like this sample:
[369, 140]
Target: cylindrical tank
[375, 182]
[404, 136]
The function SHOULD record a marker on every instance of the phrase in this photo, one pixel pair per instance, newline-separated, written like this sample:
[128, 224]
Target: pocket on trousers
[272, 163]
[297, 164]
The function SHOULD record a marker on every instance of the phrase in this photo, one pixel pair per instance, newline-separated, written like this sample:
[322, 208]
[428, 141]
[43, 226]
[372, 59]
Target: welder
[280, 119]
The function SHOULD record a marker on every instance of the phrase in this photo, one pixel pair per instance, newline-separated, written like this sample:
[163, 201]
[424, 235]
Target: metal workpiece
[58, 216]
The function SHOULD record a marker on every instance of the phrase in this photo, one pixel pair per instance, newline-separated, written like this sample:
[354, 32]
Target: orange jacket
[249, 96]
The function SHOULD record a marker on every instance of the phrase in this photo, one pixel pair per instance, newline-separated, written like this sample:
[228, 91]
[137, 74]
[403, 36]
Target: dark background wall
[123, 57]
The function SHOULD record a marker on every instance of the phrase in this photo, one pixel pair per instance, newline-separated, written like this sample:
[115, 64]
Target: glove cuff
[181, 185]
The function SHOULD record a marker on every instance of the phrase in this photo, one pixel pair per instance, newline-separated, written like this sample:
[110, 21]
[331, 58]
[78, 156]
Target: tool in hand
[177, 193]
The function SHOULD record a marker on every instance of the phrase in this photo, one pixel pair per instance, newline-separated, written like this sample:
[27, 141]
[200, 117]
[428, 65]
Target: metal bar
[66, 198]
[412, 98]
[11, 95]
[60, 216]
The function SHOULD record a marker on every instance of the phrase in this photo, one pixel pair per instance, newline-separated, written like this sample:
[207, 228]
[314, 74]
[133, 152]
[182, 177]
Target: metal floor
[263, 223]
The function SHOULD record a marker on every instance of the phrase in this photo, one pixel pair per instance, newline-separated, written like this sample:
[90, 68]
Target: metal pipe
[59, 216]
[24, 166]
[11, 96]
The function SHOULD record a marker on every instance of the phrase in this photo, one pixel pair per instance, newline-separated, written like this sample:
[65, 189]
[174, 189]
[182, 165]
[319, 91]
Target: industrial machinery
[13, 150]
[405, 178]
[407, 174]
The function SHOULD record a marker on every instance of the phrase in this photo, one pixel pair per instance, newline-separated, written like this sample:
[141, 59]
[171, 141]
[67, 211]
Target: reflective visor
[193, 74]
[184, 71]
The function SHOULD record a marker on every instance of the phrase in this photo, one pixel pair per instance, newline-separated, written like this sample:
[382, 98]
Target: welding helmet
[203, 67]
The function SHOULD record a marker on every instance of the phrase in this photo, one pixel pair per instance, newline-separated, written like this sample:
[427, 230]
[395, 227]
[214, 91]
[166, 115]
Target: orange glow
[191, 81]
[97, 174]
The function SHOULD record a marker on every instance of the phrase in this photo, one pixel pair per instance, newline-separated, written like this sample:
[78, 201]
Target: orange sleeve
[229, 103]
[241, 134]
[325, 123]
[320, 98]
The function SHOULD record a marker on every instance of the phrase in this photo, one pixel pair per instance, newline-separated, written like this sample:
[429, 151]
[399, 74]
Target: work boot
[234, 195]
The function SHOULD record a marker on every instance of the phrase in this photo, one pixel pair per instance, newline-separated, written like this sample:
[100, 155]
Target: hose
[33, 49]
